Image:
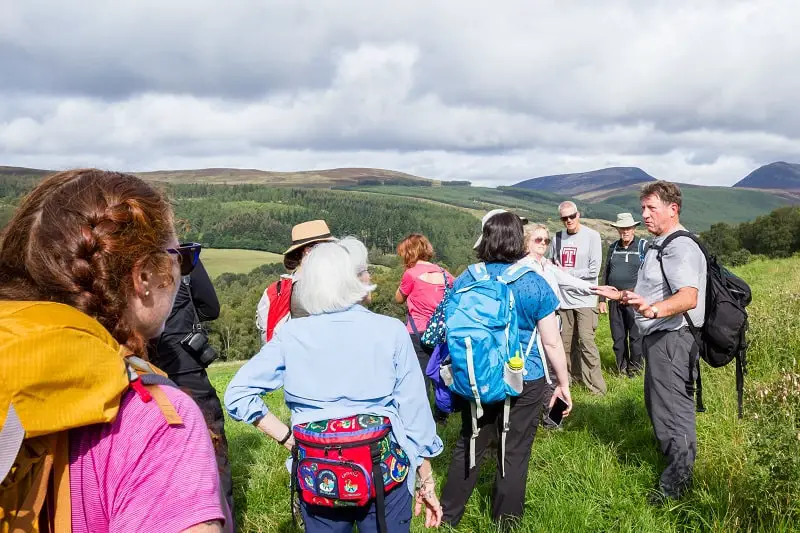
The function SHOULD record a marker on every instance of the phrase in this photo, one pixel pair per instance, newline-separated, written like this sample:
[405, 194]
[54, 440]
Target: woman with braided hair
[104, 243]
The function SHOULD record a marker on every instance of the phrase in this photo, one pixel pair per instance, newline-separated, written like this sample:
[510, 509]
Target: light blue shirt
[337, 365]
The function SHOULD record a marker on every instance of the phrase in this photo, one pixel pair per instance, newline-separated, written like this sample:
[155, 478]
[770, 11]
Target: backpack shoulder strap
[479, 272]
[671, 237]
[447, 284]
[280, 295]
[514, 272]
[660, 249]
[642, 249]
[557, 255]
[151, 381]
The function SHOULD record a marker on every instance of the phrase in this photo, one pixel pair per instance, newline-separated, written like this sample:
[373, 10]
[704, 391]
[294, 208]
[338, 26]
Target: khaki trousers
[583, 357]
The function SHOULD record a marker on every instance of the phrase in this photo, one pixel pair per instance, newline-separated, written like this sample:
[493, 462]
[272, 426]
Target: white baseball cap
[489, 215]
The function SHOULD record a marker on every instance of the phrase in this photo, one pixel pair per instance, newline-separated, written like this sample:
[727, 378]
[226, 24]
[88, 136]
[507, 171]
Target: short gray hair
[329, 279]
[359, 255]
[568, 203]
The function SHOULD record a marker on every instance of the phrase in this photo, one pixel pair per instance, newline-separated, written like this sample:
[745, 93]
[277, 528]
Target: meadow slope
[220, 260]
[596, 474]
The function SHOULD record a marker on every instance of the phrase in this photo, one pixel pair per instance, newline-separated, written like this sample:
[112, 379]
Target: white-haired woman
[566, 287]
[359, 258]
[345, 368]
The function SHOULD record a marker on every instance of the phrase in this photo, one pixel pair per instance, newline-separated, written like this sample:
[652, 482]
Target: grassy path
[596, 474]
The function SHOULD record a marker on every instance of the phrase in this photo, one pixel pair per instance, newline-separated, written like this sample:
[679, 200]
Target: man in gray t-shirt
[578, 251]
[669, 347]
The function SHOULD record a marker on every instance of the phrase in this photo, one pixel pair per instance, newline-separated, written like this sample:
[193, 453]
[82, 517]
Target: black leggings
[508, 496]
[424, 357]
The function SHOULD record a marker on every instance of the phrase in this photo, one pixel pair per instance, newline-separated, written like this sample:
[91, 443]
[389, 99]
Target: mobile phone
[557, 411]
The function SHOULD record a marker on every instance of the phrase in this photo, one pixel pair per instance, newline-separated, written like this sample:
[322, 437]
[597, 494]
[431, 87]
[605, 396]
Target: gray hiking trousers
[670, 404]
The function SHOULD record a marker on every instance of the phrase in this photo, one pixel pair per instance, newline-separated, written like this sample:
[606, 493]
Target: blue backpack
[482, 335]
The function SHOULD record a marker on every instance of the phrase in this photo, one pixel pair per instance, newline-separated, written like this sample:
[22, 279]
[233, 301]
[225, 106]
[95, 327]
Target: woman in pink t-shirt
[421, 288]
[104, 243]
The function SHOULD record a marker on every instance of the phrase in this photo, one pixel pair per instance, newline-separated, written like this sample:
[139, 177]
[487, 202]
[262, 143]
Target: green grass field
[220, 260]
[596, 474]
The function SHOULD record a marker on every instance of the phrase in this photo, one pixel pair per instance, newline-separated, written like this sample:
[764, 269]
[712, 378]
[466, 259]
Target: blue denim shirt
[336, 365]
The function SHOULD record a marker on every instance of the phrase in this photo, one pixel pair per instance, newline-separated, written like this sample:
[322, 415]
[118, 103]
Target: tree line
[774, 235]
[260, 217]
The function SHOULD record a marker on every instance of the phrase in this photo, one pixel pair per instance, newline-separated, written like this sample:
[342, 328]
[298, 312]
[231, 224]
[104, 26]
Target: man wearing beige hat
[622, 267]
[277, 305]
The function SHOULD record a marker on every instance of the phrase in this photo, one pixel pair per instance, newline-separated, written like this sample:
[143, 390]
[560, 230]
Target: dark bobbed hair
[503, 240]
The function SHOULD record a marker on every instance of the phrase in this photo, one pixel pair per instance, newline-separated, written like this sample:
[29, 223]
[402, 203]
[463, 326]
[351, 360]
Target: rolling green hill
[703, 206]
[310, 178]
[537, 205]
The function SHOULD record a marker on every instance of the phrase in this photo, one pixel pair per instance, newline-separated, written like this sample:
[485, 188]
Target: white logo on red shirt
[569, 257]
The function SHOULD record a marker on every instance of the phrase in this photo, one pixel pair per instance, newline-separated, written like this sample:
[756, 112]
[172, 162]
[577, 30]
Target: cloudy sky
[493, 92]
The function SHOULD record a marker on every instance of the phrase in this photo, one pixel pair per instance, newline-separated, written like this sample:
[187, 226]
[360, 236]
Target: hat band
[309, 239]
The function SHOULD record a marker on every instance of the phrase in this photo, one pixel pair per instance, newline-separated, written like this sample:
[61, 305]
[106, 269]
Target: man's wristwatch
[655, 311]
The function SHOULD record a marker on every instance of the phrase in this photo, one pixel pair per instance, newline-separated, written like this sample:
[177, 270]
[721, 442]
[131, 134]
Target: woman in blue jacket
[500, 246]
[342, 361]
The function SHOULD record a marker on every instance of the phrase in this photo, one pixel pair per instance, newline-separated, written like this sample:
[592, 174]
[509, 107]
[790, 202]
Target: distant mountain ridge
[600, 194]
[774, 176]
[308, 178]
[581, 183]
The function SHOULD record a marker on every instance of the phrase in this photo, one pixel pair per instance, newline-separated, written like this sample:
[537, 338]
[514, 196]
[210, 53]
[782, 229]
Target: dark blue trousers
[340, 520]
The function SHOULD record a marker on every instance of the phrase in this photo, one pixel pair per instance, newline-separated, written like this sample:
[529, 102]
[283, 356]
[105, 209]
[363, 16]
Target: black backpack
[722, 338]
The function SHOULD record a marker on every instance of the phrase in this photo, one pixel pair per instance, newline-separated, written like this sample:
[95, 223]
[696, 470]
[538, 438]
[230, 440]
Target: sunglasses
[540, 240]
[188, 254]
[569, 217]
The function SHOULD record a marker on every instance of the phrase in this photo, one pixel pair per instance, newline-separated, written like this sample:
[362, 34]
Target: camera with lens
[197, 344]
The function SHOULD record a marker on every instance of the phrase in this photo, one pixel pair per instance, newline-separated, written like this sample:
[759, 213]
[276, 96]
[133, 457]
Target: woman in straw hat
[277, 305]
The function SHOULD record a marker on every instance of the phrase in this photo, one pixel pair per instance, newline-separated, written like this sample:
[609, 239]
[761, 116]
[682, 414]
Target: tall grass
[596, 474]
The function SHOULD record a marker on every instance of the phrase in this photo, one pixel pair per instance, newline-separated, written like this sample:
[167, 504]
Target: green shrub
[773, 448]
[738, 258]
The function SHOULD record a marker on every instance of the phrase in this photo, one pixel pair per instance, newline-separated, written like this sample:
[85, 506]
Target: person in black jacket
[622, 267]
[182, 354]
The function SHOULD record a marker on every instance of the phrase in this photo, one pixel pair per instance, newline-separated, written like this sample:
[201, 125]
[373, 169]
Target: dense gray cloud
[698, 92]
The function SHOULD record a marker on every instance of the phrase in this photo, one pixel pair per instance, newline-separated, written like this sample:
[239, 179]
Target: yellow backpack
[59, 370]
